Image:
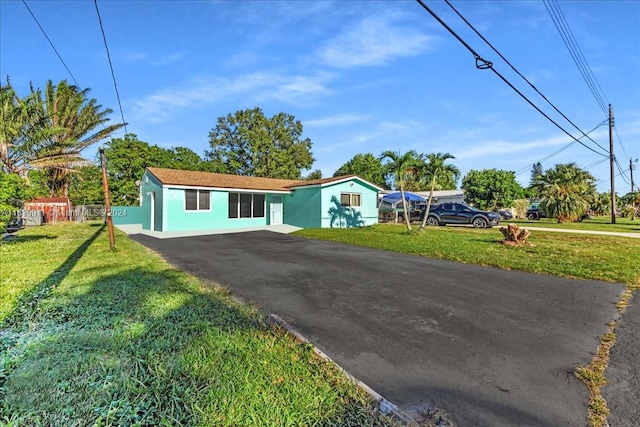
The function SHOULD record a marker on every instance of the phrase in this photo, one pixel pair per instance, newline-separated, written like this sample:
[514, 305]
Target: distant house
[179, 200]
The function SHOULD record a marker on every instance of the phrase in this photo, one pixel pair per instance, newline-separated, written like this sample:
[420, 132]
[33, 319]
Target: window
[197, 200]
[246, 205]
[350, 199]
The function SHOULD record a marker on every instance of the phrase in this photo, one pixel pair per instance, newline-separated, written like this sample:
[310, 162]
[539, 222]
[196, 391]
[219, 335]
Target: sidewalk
[565, 230]
[137, 229]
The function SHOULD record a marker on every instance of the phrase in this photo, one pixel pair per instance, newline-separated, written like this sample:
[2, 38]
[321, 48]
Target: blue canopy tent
[395, 198]
[390, 202]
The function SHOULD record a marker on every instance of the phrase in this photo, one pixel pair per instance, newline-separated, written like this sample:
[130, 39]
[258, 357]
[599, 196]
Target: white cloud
[375, 40]
[255, 87]
[142, 57]
[337, 120]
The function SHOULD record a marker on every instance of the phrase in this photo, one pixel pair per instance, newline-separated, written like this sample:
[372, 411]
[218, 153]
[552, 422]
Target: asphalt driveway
[491, 347]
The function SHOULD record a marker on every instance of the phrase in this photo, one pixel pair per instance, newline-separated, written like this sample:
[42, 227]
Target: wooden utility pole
[611, 167]
[633, 196]
[107, 199]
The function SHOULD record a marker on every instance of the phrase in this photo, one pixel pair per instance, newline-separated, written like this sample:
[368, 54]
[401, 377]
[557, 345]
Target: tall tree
[315, 174]
[534, 182]
[248, 143]
[366, 166]
[438, 172]
[128, 157]
[85, 186]
[68, 122]
[403, 168]
[491, 188]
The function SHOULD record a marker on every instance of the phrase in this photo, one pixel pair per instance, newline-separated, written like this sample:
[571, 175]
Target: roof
[221, 180]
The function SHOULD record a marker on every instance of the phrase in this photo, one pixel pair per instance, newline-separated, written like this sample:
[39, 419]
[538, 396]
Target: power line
[520, 74]
[558, 151]
[482, 63]
[51, 43]
[553, 8]
[113, 75]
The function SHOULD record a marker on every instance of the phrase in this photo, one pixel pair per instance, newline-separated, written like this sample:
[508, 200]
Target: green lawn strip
[581, 256]
[122, 338]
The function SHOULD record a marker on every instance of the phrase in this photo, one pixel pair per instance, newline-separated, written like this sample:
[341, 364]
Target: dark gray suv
[459, 213]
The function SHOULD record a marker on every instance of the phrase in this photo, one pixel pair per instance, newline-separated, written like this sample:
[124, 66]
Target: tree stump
[514, 235]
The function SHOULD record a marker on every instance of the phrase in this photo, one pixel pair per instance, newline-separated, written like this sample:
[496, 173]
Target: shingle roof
[220, 180]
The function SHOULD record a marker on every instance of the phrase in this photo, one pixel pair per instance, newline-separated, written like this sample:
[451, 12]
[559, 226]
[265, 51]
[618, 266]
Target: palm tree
[402, 167]
[67, 122]
[436, 169]
[15, 117]
[561, 201]
[565, 191]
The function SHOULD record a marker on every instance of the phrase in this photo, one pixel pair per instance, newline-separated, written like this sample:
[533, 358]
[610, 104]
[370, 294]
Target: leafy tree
[85, 186]
[67, 123]
[366, 166]
[316, 174]
[13, 192]
[441, 176]
[491, 188]
[248, 143]
[128, 157]
[565, 192]
[184, 158]
[402, 168]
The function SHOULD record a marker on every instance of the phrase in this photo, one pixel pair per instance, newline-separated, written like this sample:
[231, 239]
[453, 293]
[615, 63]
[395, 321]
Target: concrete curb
[384, 406]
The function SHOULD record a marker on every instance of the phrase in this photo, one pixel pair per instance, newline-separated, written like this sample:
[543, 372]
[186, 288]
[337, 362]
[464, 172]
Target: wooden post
[107, 200]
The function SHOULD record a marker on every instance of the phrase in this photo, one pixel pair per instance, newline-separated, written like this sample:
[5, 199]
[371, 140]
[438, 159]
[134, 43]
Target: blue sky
[361, 76]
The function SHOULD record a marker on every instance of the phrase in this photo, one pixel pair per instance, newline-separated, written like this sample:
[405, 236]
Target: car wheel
[432, 220]
[532, 216]
[479, 222]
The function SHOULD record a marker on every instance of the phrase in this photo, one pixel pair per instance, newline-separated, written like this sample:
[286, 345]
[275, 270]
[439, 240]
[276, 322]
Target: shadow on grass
[28, 301]
[14, 239]
[152, 348]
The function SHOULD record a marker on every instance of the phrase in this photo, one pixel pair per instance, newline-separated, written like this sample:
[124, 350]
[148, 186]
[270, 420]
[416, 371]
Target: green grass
[97, 337]
[583, 256]
[608, 258]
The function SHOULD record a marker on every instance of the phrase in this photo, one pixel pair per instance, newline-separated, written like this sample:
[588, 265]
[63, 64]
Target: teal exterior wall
[151, 185]
[302, 207]
[333, 216]
[176, 218]
[122, 215]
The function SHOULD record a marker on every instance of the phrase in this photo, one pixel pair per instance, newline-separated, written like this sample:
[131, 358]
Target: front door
[152, 205]
[276, 210]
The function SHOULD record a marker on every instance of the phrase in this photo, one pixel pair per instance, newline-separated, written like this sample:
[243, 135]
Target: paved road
[623, 392]
[491, 347]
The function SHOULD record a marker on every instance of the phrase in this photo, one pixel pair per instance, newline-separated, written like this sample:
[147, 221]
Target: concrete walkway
[131, 229]
[605, 233]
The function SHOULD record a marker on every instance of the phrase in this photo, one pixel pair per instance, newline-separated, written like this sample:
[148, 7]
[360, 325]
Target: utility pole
[633, 196]
[611, 168]
[107, 199]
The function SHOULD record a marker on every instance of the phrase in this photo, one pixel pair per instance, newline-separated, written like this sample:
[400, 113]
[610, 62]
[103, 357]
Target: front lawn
[584, 256]
[97, 337]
